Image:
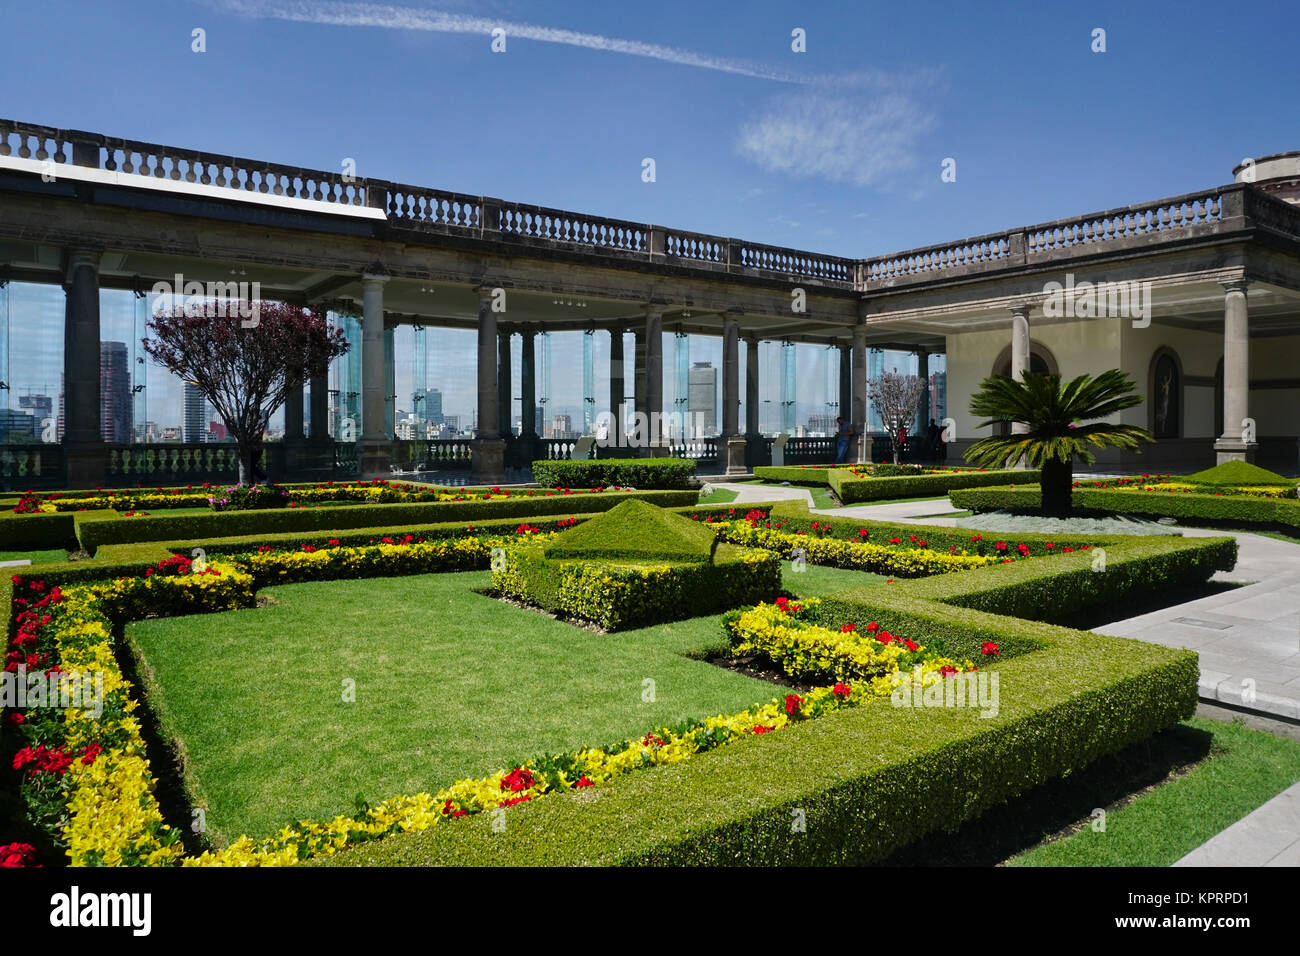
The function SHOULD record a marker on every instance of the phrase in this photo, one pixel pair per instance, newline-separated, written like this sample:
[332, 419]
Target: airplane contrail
[410, 18]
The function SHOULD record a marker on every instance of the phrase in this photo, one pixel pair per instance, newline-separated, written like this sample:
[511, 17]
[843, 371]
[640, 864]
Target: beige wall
[1095, 345]
[1077, 347]
[1198, 353]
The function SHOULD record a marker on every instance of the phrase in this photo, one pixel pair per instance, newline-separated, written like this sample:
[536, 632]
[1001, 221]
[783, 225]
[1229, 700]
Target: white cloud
[858, 136]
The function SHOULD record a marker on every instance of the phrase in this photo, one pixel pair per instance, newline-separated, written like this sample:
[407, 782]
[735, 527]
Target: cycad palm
[1062, 422]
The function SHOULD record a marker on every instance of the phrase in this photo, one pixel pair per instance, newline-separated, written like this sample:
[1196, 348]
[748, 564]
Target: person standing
[844, 432]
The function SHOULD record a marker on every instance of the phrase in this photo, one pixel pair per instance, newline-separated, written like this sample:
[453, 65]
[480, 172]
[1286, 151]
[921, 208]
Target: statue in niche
[1166, 398]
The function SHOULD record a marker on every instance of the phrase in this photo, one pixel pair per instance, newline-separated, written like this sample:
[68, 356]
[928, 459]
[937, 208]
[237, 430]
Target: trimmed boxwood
[225, 524]
[1225, 509]
[619, 595]
[867, 780]
[851, 489]
[796, 475]
[623, 472]
[36, 532]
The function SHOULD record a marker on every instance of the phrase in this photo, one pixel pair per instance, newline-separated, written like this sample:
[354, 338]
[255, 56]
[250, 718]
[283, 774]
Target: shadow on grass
[1061, 807]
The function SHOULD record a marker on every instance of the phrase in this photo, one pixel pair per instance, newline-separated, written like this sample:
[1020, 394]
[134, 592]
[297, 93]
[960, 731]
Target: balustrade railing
[696, 449]
[476, 216]
[162, 464]
[31, 466]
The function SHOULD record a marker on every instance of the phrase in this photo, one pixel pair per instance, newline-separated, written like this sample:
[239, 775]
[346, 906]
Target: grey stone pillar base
[736, 455]
[1234, 449]
[87, 464]
[489, 466]
[374, 457]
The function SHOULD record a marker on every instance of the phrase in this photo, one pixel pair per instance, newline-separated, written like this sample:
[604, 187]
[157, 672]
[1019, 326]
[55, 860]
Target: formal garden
[616, 665]
[658, 680]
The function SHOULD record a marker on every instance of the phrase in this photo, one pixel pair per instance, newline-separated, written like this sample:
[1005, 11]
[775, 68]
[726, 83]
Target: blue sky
[837, 149]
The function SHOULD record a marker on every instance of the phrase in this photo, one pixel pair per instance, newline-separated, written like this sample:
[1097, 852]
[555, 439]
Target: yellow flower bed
[803, 649]
[861, 556]
[112, 817]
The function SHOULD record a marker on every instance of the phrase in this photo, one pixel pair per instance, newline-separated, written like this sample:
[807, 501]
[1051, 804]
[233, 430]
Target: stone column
[1019, 353]
[923, 403]
[293, 412]
[293, 434]
[86, 456]
[751, 386]
[846, 381]
[505, 380]
[616, 392]
[320, 408]
[638, 373]
[859, 417]
[1239, 440]
[375, 451]
[489, 447]
[732, 444]
[528, 383]
[654, 383]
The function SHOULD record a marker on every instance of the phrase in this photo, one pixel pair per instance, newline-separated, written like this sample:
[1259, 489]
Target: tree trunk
[249, 453]
[1056, 487]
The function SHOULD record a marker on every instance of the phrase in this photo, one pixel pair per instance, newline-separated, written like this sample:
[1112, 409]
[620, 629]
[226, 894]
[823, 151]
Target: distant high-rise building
[562, 427]
[196, 415]
[702, 400]
[821, 424]
[41, 408]
[18, 427]
[114, 393]
[432, 411]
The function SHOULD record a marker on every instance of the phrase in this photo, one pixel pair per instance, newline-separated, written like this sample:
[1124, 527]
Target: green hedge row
[617, 596]
[1212, 509]
[796, 476]
[36, 532]
[225, 524]
[864, 781]
[850, 489]
[624, 472]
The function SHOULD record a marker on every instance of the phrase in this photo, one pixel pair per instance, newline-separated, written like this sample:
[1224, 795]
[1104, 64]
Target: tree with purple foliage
[245, 369]
[896, 398]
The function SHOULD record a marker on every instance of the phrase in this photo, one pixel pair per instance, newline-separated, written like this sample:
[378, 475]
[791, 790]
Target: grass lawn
[36, 557]
[1243, 769]
[718, 496]
[449, 683]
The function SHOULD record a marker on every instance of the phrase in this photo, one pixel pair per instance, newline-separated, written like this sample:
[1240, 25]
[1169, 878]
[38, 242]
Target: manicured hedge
[225, 524]
[852, 489]
[865, 781]
[796, 476]
[36, 532]
[623, 472]
[617, 596]
[1208, 508]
